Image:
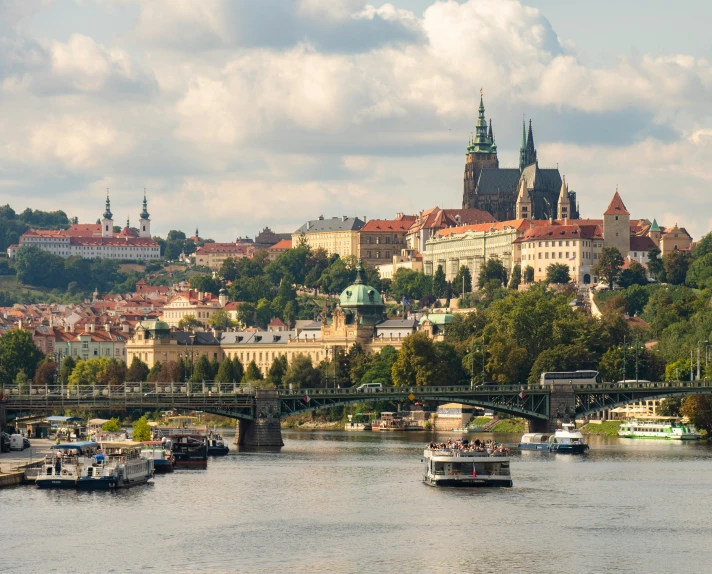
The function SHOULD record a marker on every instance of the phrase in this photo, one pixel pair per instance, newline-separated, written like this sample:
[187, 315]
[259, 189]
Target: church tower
[616, 226]
[564, 205]
[524, 208]
[481, 153]
[527, 151]
[144, 223]
[107, 223]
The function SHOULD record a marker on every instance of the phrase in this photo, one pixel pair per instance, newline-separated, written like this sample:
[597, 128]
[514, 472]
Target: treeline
[12, 224]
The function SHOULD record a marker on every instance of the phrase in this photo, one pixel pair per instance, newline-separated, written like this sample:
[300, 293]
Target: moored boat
[217, 446]
[163, 459]
[120, 465]
[665, 430]
[65, 464]
[190, 451]
[566, 440]
[466, 464]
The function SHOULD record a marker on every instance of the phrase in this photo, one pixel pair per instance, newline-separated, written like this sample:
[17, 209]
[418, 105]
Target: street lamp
[482, 347]
[698, 358]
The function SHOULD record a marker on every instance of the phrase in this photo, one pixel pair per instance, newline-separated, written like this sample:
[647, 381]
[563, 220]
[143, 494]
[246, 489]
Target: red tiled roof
[616, 206]
[84, 230]
[573, 231]
[282, 244]
[128, 232]
[518, 224]
[641, 243]
[225, 248]
[115, 241]
[399, 225]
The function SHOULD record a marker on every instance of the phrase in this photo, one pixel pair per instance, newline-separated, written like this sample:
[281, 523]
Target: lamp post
[192, 355]
[483, 348]
[698, 358]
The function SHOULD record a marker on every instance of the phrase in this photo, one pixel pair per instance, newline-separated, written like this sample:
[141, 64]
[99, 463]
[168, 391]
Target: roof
[84, 230]
[492, 180]
[616, 206]
[641, 243]
[654, 226]
[360, 294]
[518, 224]
[397, 324]
[572, 231]
[225, 248]
[256, 337]
[282, 244]
[115, 241]
[381, 225]
[438, 318]
[436, 218]
[343, 223]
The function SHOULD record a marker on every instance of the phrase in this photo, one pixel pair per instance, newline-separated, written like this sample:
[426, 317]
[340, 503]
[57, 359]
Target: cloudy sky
[239, 114]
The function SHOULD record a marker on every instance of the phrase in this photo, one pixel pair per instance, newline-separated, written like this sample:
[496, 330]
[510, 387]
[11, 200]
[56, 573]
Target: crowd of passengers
[489, 446]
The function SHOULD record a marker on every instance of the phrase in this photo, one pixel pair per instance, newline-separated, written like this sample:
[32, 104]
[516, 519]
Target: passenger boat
[467, 467]
[467, 429]
[389, 422]
[163, 459]
[217, 446]
[65, 464]
[665, 430]
[190, 451]
[566, 440]
[120, 465]
[180, 426]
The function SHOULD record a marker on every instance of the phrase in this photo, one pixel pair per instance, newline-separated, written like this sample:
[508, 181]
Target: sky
[240, 114]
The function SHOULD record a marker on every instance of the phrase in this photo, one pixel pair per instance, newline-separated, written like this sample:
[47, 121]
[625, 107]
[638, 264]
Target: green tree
[678, 370]
[560, 358]
[416, 364]
[609, 265]
[528, 274]
[238, 370]
[634, 275]
[676, 264]
[112, 425]
[221, 320]
[277, 370]
[439, 283]
[700, 272]
[492, 270]
[516, 278]
[301, 373]
[656, 268]
[214, 368]
[290, 313]
[669, 407]
[68, 364]
[558, 273]
[137, 371]
[463, 277]
[611, 365]
[22, 381]
[35, 266]
[380, 369]
[252, 373]
[225, 371]
[698, 410]
[141, 430]
[154, 372]
[18, 353]
[246, 315]
[202, 371]
[189, 322]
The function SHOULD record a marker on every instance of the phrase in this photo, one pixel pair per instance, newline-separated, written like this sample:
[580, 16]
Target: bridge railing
[417, 391]
[640, 386]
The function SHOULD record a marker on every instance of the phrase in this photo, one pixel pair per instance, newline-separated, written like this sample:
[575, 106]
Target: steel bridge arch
[644, 397]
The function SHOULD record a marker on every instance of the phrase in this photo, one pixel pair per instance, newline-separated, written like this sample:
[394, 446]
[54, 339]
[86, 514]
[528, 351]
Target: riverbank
[605, 428]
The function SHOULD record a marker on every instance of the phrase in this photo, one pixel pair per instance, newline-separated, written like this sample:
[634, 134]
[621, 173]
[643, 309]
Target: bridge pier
[265, 429]
[562, 409]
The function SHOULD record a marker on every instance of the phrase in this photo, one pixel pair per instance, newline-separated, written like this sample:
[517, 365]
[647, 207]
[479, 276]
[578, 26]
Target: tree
[669, 407]
[528, 274]
[676, 264]
[171, 372]
[698, 410]
[609, 265]
[224, 374]
[246, 314]
[68, 364]
[277, 370]
[492, 270]
[35, 266]
[516, 278]
[558, 273]
[634, 275]
[238, 370]
[154, 373]
[439, 283]
[463, 277]
[44, 375]
[700, 272]
[655, 265]
[301, 373]
[416, 362]
[22, 381]
[202, 371]
[137, 371]
[678, 370]
[252, 373]
[560, 358]
[189, 322]
[221, 320]
[18, 353]
[290, 314]
[141, 430]
[112, 425]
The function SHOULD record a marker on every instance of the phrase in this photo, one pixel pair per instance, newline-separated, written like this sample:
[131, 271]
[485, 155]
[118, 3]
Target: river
[354, 502]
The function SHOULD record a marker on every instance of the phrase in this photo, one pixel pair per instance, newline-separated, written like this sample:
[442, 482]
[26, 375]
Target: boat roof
[152, 442]
[120, 444]
[74, 445]
[58, 419]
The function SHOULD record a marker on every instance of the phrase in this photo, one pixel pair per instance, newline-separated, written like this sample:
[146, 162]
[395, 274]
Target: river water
[354, 502]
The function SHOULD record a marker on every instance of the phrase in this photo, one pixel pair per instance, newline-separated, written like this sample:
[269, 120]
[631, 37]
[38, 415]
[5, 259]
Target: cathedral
[528, 192]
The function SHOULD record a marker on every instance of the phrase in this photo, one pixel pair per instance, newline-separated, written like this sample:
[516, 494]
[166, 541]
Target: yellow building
[674, 239]
[337, 235]
[213, 254]
[199, 305]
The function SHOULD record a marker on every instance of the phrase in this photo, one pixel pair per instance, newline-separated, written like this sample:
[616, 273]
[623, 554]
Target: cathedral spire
[531, 150]
[107, 212]
[144, 212]
[523, 148]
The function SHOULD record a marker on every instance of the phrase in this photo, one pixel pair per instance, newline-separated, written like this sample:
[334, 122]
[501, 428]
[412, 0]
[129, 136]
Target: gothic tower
[527, 151]
[524, 203]
[616, 226]
[481, 153]
[107, 223]
[564, 205]
[144, 223]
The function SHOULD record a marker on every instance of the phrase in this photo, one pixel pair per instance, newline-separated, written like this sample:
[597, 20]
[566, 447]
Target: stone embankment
[13, 463]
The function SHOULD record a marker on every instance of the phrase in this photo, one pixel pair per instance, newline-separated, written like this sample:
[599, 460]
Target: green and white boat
[665, 430]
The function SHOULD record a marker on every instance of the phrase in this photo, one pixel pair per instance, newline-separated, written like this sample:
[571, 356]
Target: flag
[572, 258]
[306, 398]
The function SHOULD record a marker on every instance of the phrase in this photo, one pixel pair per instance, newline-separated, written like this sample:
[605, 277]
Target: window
[616, 220]
[96, 352]
[546, 255]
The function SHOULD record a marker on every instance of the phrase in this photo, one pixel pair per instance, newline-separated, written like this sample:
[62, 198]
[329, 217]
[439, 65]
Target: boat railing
[457, 453]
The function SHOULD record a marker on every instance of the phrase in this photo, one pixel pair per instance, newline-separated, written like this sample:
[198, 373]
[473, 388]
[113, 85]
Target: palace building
[494, 189]
[96, 240]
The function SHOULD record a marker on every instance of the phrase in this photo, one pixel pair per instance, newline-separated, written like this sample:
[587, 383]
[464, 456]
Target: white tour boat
[666, 430]
[120, 465]
[65, 464]
[465, 467]
[567, 440]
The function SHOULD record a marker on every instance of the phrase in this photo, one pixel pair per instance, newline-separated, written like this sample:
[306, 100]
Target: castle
[540, 193]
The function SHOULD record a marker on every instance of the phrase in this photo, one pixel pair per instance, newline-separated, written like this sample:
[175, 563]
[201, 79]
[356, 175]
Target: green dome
[155, 326]
[363, 301]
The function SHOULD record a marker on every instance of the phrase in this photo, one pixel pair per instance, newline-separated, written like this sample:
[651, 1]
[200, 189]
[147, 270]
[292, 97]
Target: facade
[338, 235]
[472, 246]
[674, 239]
[495, 190]
[199, 305]
[96, 240]
[616, 225]
[91, 343]
[213, 255]
[407, 259]
[428, 223]
[381, 239]
[267, 238]
[278, 248]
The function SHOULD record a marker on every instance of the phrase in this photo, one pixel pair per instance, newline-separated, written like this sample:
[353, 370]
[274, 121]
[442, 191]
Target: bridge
[259, 411]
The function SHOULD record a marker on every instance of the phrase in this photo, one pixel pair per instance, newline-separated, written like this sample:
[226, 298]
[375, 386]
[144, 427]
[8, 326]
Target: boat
[190, 451]
[665, 430]
[217, 446]
[467, 429]
[389, 422]
[566, 440]
[163, 459]
[180, 426]
[119, 465]
[65, 464]
[358, 422]
[466, 467]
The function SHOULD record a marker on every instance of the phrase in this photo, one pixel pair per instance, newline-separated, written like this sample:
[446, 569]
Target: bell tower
[144, 223]
[481, 153]
[107, 222]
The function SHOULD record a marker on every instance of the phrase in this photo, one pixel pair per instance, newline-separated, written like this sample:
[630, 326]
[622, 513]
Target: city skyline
[352, 109]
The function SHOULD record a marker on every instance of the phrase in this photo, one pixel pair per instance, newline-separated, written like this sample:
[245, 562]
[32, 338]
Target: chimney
[107, 326]
[308, 225]
[566, 220]
[344, 217]
[531, 224]
[89, 327]
[70, 328]
[125, 327]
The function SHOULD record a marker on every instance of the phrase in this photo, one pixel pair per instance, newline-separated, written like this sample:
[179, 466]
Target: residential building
[267, 238]
[213, 255]
[95, 240]
[674, 239]
[338, 235]
[407, 259]
[428, 223]
[278, 248]
[381, 239]
[200, 305]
